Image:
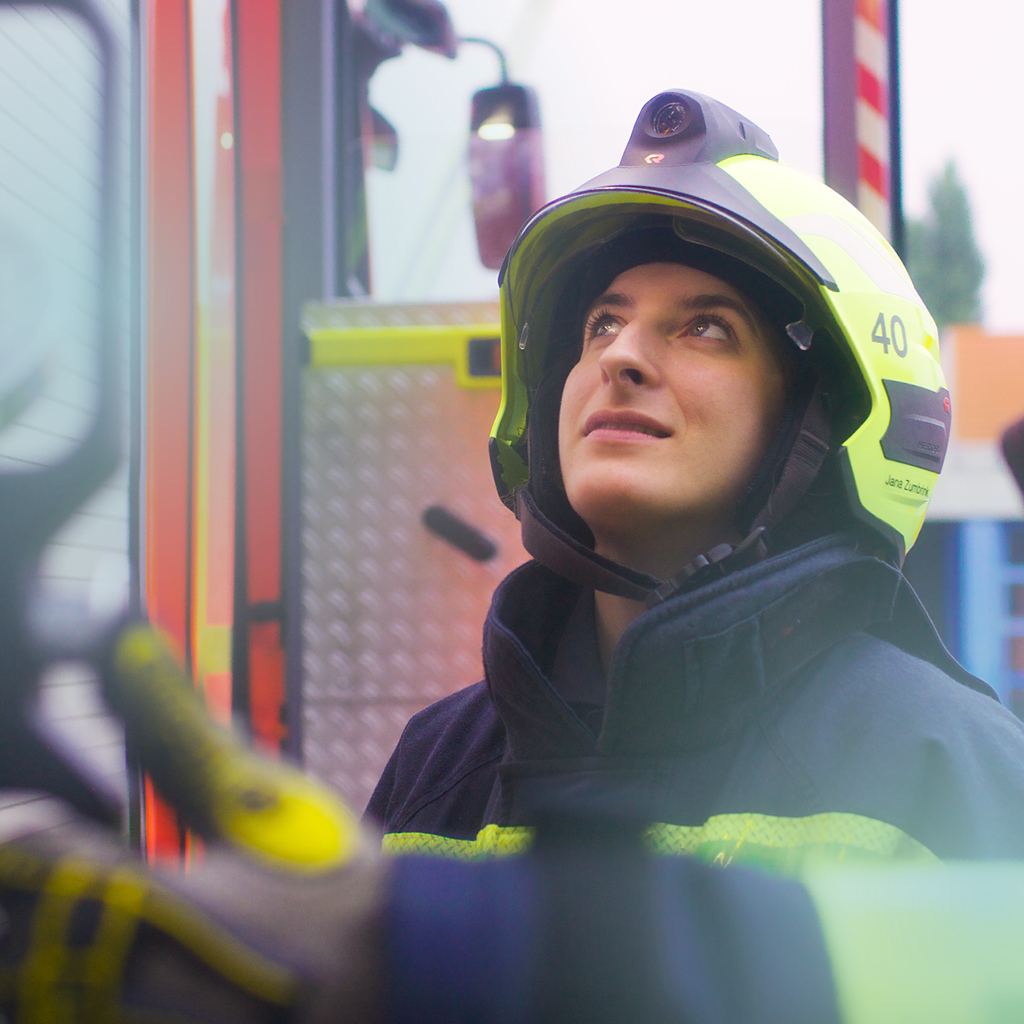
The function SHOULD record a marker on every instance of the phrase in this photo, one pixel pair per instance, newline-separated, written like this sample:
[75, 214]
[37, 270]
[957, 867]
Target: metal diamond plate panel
[393, 613]
[353, 740]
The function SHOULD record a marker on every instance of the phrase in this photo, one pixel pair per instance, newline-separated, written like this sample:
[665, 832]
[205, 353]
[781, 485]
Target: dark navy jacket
[809, 691]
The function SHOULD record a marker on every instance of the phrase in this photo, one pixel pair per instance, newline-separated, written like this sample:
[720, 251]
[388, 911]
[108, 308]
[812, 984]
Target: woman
[723, 415]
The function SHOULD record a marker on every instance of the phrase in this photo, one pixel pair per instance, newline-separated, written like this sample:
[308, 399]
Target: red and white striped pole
[871, 61]
[861, 108]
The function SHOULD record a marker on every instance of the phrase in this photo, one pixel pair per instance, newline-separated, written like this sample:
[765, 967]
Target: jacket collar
[691, 672]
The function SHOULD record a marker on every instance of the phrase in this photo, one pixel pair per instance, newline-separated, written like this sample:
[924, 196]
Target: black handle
[460, 534]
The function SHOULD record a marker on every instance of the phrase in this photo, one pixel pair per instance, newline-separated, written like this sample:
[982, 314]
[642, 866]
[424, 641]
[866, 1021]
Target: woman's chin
[622, 522]
[618, 501]
[646, 533]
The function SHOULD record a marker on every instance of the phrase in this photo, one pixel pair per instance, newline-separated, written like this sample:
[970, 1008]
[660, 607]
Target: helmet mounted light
[676, 128]
[670, 119]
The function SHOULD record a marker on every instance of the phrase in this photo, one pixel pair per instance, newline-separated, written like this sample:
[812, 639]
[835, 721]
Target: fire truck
[305, 507]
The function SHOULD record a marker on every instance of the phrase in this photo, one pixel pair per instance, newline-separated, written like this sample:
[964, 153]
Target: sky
[595, 63]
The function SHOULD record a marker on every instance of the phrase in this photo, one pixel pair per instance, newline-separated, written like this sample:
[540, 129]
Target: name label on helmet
[907, 486]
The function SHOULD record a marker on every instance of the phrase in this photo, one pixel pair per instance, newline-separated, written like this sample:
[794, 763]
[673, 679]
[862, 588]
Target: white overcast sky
[595, 63]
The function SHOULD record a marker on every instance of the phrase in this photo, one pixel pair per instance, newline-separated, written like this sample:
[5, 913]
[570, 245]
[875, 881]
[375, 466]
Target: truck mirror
[423, 23]
[506, 166]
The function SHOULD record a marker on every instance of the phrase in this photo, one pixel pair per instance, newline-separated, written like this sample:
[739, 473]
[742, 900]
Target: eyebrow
[696, 303]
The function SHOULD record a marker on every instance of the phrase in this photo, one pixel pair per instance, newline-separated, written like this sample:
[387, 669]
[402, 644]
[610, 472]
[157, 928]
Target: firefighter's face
[664, 419]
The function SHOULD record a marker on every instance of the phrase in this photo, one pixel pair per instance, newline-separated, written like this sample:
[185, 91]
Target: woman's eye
[601, 324]
[710, 328]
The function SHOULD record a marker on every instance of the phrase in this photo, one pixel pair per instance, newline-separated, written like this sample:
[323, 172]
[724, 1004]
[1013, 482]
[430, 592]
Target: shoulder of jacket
[883, 677]
[886, 734]
[440, 747]
[468, 707]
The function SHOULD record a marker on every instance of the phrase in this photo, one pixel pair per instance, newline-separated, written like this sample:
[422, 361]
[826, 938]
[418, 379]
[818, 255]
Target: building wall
[968, 565]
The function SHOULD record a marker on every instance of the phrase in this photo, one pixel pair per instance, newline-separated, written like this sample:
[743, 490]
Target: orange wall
[988, 371]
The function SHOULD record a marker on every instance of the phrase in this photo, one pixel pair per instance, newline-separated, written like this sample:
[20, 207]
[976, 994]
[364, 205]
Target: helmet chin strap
[562, 553]
[565, 555]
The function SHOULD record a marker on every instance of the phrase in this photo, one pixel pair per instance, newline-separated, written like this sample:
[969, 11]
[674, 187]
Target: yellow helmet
[711, 174]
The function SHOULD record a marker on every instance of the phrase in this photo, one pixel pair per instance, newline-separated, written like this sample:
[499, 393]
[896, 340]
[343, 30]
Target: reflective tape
[779, 844]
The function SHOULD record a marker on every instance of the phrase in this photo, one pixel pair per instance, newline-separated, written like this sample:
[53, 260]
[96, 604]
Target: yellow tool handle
[221, 788]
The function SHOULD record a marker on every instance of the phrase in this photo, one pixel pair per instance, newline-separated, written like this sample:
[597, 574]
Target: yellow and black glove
[281, 921]
[88, 935]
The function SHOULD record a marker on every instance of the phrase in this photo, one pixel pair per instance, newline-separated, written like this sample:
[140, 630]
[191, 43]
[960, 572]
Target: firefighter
[723, 415]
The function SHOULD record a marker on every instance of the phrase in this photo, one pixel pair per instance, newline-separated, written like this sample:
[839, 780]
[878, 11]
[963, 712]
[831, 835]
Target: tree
[942, 256]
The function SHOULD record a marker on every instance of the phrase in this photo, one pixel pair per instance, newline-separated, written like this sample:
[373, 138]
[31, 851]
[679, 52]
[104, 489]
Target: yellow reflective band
[491, 841]
[105, 961]
[782, 845]
[787, 845]
[50, 957]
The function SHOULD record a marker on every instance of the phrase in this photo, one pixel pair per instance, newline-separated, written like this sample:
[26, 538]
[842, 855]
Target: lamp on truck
[506, 162]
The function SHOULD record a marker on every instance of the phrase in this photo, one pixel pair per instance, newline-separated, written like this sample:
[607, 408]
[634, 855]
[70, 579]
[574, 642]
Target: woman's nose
[627, 360]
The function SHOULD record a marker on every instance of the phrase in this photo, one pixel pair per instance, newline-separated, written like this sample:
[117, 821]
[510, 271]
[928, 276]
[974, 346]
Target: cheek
[764, 398]
[747, 408]
[771, 397]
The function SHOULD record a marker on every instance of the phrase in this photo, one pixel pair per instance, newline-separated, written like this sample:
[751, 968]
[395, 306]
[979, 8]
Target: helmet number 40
[895, 336]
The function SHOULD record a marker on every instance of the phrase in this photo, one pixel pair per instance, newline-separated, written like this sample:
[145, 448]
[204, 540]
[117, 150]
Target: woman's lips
[624, 423]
